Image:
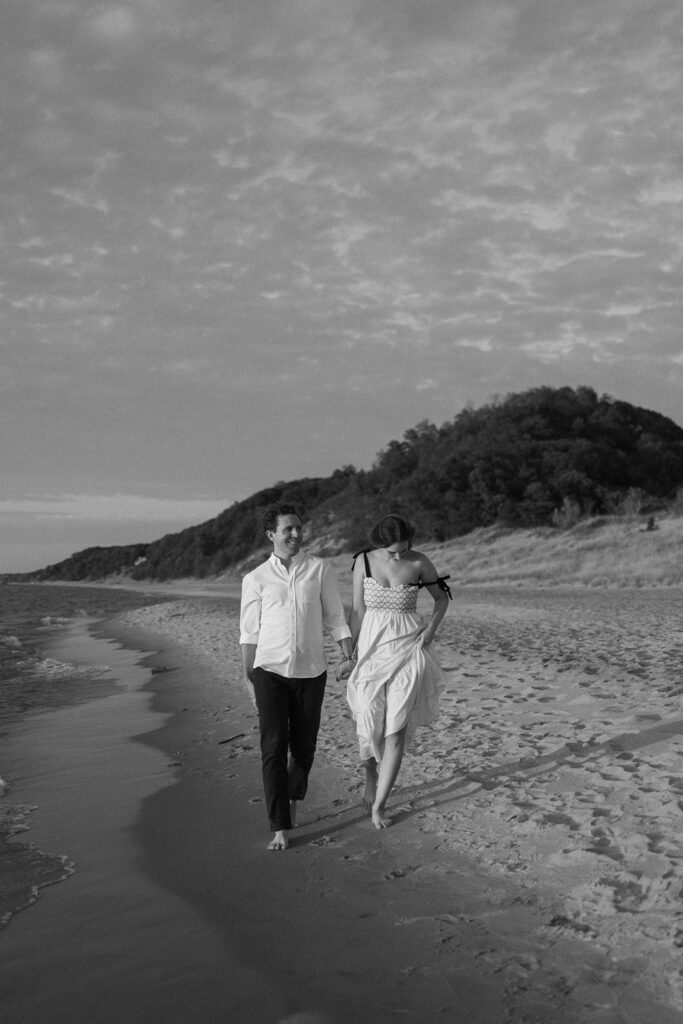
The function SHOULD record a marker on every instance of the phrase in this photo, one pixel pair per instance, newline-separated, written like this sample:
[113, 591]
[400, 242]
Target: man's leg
[304, 722]
[272, 701]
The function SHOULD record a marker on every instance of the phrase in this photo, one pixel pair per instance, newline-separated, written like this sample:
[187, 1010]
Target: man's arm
[248, 657]
[334, 619]
[345, 667]
[250, 622]
[346, 645]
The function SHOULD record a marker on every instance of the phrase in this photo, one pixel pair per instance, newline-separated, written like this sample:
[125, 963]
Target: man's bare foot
[379, 818]
[279, 841]
[370, 791]
[292, 812]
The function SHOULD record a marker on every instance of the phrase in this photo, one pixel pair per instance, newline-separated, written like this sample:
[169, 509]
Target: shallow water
[36, 676]
[31, 617]
[112, 945]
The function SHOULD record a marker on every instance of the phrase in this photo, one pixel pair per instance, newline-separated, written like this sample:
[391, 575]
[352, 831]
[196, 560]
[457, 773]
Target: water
[31, 617]
[111, 943]
[33, 679]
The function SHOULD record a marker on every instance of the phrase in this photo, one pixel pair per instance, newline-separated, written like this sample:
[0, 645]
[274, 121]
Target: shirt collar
[296, 559]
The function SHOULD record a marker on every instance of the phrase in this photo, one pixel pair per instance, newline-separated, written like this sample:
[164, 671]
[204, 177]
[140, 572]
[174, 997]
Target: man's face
[286, 538]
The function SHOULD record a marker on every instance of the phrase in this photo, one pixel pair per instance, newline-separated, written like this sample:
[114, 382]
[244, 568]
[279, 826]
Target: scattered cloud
[120, 507]
[255, 241]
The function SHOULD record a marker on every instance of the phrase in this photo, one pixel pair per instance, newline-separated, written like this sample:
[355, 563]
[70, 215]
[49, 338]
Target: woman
[396, 681]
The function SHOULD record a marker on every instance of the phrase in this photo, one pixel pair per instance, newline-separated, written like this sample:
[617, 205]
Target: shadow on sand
[439, 793]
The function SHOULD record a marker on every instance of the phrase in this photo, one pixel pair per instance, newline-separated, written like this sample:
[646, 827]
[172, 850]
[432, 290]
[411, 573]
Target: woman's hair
[273, 513]
[390, 530]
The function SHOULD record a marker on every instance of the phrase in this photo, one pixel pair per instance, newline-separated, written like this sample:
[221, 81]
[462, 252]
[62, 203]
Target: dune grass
[606, 551]
[601, 552]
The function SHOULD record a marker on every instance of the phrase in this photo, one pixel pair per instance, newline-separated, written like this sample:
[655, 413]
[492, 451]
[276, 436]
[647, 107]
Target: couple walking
[393, 680]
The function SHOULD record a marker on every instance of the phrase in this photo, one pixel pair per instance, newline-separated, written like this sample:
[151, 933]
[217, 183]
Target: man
[287, 604]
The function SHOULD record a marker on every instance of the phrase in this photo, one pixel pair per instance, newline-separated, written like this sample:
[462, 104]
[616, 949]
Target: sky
[246, 241]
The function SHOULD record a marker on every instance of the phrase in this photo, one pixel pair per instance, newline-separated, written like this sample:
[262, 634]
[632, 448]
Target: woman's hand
[426, 637]
[345, 668]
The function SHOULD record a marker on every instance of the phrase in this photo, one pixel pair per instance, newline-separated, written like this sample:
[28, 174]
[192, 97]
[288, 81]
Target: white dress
[396, 681]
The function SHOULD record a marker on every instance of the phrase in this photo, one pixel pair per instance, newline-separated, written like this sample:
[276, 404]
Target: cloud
[111, 507]
[112, 26]
[229, 224]
[39, 530]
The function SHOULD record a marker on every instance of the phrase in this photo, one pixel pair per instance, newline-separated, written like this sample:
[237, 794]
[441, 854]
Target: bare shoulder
[359, 564]
[423, 562]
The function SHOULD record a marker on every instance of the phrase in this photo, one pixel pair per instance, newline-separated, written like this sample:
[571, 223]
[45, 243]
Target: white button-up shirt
[286, 614]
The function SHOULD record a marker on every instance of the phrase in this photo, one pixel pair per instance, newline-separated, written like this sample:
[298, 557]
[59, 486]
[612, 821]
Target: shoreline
[480, 898]
[110, 943]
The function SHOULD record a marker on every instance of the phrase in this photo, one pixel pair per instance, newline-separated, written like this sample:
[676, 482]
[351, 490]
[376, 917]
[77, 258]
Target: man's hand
[249, 687]
[248, 659]
[345, 668]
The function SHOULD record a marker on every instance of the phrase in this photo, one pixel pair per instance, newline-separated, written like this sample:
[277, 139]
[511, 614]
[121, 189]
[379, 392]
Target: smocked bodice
[389, 599]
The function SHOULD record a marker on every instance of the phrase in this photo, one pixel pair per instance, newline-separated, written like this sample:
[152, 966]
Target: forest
[543, 457]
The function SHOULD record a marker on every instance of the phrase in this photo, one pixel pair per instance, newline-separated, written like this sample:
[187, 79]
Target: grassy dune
[600, 552]
[616, 551]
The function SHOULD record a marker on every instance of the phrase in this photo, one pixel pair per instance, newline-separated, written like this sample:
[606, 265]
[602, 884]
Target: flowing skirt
[396, 682]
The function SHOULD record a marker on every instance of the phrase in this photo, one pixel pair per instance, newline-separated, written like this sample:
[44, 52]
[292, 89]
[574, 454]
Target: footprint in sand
[400, 873]
[325, 841]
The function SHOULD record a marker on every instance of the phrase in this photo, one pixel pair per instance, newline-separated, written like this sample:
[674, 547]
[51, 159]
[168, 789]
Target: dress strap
[364, 553]
[440, 583]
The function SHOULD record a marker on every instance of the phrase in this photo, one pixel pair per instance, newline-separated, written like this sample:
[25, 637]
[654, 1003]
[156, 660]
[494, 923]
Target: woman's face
[399, 549]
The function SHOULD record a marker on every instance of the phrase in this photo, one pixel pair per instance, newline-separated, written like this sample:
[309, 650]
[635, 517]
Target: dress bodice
[389, 599]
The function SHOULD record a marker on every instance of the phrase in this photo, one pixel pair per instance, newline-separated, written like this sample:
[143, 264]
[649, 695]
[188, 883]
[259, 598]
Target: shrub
[567, 516]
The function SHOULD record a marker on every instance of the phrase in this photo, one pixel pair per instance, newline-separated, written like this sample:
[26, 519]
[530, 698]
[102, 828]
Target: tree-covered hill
[535, 458]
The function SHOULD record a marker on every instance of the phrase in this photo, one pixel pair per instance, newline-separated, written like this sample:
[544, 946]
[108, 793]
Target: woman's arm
[358, 601]
[440, 600]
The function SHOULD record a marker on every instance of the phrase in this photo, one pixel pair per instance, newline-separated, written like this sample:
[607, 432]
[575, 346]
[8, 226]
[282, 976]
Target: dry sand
[534, 869]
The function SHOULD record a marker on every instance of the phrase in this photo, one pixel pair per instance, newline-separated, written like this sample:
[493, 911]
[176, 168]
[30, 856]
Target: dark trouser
[289, 719]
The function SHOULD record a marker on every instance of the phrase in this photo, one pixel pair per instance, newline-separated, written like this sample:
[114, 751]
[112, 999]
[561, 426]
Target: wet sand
[109, 944]
[532, 873]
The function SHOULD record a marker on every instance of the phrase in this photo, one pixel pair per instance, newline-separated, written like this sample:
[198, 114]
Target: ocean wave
[51, 668]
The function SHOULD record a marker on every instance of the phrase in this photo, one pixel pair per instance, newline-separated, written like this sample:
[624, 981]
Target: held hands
[345, 668]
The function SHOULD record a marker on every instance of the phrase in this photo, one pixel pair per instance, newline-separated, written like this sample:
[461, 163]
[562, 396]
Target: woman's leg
[388, 771]
[370, 791]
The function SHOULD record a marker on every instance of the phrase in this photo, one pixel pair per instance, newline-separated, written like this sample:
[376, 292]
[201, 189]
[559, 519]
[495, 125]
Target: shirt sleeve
[334, 616]
[250, 612]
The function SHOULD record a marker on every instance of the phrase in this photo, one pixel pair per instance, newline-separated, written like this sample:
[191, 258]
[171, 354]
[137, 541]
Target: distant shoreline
[600, 553]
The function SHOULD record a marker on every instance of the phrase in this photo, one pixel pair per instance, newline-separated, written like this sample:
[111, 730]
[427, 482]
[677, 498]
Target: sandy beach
[537, 834]
[534, 869]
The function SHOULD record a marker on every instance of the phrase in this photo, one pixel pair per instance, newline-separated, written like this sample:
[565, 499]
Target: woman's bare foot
[370, 791]
[279, 841]
[379, 818]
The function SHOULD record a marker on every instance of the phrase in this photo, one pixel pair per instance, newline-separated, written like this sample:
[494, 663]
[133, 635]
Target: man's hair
[273, 513]
[391, 529]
